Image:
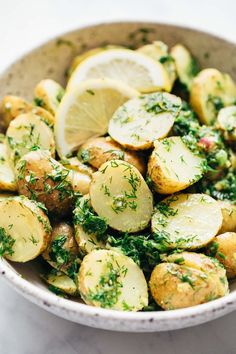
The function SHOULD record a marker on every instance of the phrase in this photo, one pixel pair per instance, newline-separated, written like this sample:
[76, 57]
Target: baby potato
[188, 221]
[62, 249]
[226, 122]
[211, 90]
[120, 195]
[24, 229]
[97, 151]
[11, 107]
[186, 65]
[73, 163]
[159, 52]
[229, 216]
[80, 182]
[140, 121]
[178, 283]
[28, 132]
[224, 249]
[48, 94]
[45, 115]
[172, 167]
[60, 283]
[41, 177]
[109, 279]
[7, 175]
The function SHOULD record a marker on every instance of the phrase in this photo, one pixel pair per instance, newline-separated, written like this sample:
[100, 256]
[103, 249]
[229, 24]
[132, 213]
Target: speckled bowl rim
[111, 319]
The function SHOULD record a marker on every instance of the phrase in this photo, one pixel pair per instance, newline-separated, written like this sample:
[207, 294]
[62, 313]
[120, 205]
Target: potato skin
[101, 150]
[11, 107]
[42, 178]
[174, 285]
[229, 217]
[61, 229]
[225, 247]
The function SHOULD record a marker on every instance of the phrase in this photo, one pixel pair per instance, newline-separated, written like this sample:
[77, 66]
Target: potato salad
[122, 185]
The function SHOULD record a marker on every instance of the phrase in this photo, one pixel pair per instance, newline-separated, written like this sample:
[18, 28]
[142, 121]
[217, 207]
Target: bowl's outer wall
[52, 60]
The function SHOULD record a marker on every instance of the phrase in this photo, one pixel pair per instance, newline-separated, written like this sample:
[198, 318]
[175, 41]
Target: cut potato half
[133, 68]
[61, 282]
[28, 132]
[187, 221]
[186, 65]
[159, 51]
[112, 280]
[25, 223]
[142, 120]
[211, 90]
[175, 285]
[97, 151]
[86, 110]
[172, 167]
[226, 122]
[87, 242]
[120, 195]
[7, 175]
[48, 94]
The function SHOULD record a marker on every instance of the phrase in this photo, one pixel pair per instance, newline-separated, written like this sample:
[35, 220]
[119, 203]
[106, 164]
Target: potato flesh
[62, 282]
[136, 124]
[172, 166]
[190, 221]
[7, 176]
[87, 242]
[209, 87]
[27, 225]
[26, 132]
[80, 182]
[229, 217]
[175, 286]
[226, 122]
[119, 194]
[102, 149]
[50, 93]
[112, 280]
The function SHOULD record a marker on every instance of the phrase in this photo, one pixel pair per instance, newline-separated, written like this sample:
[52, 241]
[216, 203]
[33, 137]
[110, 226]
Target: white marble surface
[25, 328]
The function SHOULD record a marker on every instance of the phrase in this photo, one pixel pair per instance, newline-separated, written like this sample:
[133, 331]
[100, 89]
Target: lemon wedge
[136, 69]
[85, 111]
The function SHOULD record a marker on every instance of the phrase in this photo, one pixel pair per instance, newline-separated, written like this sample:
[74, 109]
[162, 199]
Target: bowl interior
[52, 60]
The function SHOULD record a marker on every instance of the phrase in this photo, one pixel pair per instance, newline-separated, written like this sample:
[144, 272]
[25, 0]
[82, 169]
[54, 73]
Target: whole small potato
[44, 179]
[97, 151]
[229, 217]
[224, 249]
[185, 281]
[11, 107]
[62, 249]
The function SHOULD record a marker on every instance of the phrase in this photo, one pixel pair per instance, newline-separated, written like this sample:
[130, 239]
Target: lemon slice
[134, 68]
[85, 112]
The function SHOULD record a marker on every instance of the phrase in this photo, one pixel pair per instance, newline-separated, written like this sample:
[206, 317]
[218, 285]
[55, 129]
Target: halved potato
[87, 242]
[186, 65]
[172, 167]
[44, 179]
[28, 132]
[97, 151]
[224, 249]
[60, 282]
[120, 195]
[11, 107]
[229, 216]
[175, 285]
[159, 51]
[7, 175]
[187, 221]
[48, 94]
[226, 122]
[24, 221]
[62, 248]
[142, 120]
[211, 90]
[80, 181]
[73, 163]
[45, 115]
[112, 280]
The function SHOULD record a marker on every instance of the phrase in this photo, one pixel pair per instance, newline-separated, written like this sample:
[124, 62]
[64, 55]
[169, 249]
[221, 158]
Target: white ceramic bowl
[51, 61]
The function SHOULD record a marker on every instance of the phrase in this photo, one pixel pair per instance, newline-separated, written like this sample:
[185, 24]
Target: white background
[26, 329]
